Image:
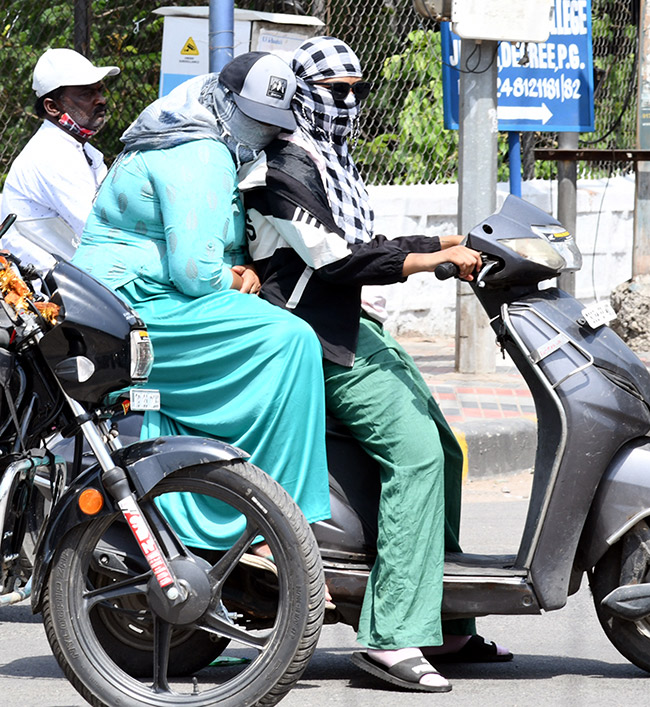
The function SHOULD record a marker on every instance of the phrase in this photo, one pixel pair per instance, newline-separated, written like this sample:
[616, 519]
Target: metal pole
[221, 33]
[514, 162]
[528, 155]
[567, 193]
[477, 182]
[82, 12]
[641, 248]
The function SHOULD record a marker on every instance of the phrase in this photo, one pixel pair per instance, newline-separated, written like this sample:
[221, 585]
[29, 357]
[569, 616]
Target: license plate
[598, 313]
[143, 399]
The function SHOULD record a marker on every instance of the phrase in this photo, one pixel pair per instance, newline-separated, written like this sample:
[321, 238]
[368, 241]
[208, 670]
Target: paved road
[562, 658]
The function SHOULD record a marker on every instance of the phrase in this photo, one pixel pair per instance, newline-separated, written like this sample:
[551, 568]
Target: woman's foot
[422, 673]
[467, 649]
[263, 550]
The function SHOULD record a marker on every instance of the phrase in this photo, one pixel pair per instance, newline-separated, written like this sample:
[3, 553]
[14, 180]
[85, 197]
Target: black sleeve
[294, 194]
[378, 262]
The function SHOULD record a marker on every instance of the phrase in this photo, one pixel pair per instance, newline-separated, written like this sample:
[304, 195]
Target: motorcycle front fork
[114, 479]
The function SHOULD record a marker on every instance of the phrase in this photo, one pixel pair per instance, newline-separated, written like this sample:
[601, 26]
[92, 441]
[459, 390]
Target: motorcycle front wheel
[626, 562]
[262, 619]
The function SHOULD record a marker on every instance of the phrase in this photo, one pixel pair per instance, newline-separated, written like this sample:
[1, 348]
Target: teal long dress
[164, 230]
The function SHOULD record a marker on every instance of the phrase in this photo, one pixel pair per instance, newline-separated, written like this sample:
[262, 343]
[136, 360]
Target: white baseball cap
[65, 67]
[262, 85]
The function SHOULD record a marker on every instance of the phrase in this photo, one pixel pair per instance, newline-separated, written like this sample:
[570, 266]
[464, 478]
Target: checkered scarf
[324, 125]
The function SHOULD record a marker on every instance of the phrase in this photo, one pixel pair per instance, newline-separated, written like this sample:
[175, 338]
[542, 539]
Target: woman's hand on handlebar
[245, 279]
[467, 260]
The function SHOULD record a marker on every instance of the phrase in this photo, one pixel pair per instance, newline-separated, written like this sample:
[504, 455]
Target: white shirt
[51, 177]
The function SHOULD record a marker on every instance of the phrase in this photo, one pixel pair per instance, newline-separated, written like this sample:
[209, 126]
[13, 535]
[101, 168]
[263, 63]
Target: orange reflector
[91, 502]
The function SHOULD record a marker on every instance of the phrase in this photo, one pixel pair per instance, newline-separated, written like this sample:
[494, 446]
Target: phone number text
[561, 88]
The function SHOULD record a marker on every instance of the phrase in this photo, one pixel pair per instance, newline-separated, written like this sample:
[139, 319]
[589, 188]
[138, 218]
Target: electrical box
[439, 10]
[185, 47]
[504, 20]
[498, 20]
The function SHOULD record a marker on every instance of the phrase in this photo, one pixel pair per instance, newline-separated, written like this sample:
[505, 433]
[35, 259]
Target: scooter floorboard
[457, 563]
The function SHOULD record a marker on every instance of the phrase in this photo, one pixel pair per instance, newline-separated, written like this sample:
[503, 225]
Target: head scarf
[324, 124]
[199, 108]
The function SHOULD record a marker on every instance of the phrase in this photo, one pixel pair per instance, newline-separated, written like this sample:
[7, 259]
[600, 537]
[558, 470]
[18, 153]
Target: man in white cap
[58, 172]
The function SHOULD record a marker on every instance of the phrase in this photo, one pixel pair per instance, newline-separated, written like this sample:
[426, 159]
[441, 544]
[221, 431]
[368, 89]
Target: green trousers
[388, 408]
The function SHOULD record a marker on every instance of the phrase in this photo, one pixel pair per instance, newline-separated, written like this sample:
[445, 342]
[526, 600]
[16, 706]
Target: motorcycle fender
[146, 463]
[621, 501]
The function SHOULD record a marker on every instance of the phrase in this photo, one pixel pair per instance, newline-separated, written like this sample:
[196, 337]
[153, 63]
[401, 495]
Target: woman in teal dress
[167, 233]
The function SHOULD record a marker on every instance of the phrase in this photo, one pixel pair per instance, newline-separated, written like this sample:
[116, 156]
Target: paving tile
[465, 398]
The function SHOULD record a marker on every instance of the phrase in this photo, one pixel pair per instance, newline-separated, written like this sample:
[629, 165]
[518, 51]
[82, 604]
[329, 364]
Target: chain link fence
[401, 139]
[615, 47]
[109, 32]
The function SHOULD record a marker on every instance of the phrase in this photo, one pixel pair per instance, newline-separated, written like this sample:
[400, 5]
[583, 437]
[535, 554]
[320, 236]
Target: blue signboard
[552, 92]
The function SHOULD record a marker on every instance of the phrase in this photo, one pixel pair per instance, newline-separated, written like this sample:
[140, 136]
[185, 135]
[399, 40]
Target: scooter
[589, 507]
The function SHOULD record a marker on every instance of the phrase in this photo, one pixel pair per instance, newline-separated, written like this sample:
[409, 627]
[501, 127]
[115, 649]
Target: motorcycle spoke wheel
[100, 614]
[118, 586]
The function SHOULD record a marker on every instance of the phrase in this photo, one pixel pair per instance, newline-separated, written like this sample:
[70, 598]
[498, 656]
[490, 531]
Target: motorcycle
[133, 614]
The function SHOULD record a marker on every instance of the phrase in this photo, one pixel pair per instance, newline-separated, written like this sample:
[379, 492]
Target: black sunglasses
[341, 89]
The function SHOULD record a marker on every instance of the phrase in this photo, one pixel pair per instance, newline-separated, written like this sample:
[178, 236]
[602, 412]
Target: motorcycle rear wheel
[268, 649]
[630, 638]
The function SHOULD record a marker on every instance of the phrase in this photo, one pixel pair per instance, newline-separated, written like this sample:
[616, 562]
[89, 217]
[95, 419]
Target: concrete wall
[426, 307]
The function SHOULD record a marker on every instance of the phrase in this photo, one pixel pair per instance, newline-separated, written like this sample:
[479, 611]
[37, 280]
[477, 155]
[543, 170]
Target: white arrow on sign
[539, 113]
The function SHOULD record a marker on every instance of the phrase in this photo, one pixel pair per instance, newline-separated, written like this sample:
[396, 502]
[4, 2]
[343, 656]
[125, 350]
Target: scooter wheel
[266, 621]
[630, 638]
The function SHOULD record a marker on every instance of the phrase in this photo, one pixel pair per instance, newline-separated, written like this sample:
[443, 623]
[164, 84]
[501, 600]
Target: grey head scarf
[325, 124]
[199, 108]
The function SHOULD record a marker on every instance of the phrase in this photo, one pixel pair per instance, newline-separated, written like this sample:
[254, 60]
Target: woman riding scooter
[313, 243]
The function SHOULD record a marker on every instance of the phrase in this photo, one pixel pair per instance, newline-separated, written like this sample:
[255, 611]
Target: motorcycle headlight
[537, 250]
[563, 242]
[141, 355]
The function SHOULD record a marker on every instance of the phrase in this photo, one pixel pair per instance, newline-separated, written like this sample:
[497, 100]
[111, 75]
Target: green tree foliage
[402, 136]
[120, 35]
[615, 80]
[615, 59]
[417, 143]
[418, 150]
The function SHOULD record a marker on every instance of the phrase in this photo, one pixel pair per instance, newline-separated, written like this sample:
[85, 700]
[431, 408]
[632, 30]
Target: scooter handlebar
[446, 270]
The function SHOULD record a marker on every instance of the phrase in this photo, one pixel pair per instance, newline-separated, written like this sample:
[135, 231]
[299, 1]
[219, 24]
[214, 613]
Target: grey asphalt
[561, 658]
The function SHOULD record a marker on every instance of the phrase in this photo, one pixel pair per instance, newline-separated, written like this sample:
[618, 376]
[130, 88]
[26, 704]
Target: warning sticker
[190, 48]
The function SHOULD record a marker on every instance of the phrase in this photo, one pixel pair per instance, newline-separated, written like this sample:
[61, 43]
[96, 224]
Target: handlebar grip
[7, 224]
[446, 270]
